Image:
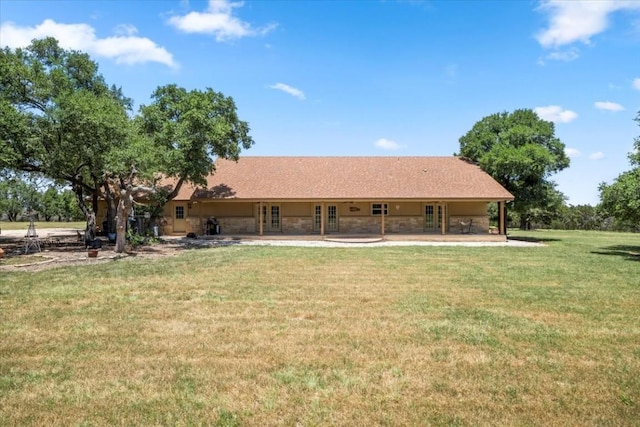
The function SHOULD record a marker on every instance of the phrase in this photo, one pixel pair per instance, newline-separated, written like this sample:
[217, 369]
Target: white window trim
[380, 207]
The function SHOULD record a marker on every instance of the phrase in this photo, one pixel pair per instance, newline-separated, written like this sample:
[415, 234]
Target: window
[376, 209]
[179, 212]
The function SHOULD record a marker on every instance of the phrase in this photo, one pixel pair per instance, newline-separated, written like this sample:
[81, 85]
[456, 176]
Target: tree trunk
[89, 215]
[111, 213]
[124, 188]
[122, 214]
[90, 231]
[121, 227]
[523, 222]
[111, 209]
[94, 202]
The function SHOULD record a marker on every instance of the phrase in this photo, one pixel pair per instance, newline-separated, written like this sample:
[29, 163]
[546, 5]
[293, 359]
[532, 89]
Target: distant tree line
[621, 199]
[23, 196]
[569, 217]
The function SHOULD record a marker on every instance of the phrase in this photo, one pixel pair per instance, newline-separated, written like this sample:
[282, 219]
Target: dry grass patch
[24, 225]
[302, 336]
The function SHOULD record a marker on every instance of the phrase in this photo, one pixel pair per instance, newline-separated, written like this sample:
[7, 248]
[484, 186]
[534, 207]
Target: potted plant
[93, 246]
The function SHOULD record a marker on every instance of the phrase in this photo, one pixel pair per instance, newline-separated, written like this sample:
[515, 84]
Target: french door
[271, 219]
[433, 217]
[330, 218]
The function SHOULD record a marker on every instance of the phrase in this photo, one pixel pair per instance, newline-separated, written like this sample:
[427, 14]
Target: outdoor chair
[465, 227]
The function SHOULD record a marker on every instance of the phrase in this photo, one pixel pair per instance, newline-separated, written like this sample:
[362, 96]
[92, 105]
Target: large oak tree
[521, 152]
[59, 118]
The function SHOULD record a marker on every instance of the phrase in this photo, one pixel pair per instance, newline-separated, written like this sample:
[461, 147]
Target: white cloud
[596, 156]
[289, 89]
[556, 114]
[563, 55]
[608, 106]
[636, 83]
[124, 47]
[572, 152]
[387, 144]
[578, 20]
[125, 30]
[219, 21]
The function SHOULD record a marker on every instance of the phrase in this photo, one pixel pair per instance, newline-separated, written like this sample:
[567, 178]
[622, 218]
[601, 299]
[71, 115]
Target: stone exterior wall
[297, 225]
[480, 224]
[194, 225]
[240, 225]
[403, 224]
[372, 225]
[347, 224]
[304, 225]
[359, 224]
[166, 225]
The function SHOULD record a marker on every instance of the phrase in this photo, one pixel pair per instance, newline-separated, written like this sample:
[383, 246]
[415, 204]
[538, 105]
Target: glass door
[429, 218]
[332, 218]
[433, 217]
[317, 217]
[271, 220]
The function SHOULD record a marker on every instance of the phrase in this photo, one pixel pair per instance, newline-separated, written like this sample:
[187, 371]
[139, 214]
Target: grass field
[265, 336]
[24, 225]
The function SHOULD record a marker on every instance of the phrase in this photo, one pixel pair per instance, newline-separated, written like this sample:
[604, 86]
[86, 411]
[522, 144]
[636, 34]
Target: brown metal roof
[372, 178]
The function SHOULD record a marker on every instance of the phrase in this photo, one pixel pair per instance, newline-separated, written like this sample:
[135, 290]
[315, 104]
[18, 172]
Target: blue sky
[346, 78]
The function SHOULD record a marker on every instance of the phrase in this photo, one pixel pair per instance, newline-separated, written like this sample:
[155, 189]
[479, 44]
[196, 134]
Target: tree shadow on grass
[628, 252]
[187, 243]
[533, 239]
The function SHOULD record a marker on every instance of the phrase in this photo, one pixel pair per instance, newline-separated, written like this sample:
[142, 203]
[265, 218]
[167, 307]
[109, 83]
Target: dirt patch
[66, 250]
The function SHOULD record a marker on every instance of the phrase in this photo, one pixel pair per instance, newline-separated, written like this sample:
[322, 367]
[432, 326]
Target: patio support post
[322, 213]
[382, 220]
[505, 221]
[260, 220]
[443, 219]
[501, 211]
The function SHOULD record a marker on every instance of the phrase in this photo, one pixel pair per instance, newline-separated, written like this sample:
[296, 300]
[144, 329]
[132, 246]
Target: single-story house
[426, 196]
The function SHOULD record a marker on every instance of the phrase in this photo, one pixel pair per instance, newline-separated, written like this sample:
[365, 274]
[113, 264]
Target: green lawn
[24, 225]
[264, 336]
